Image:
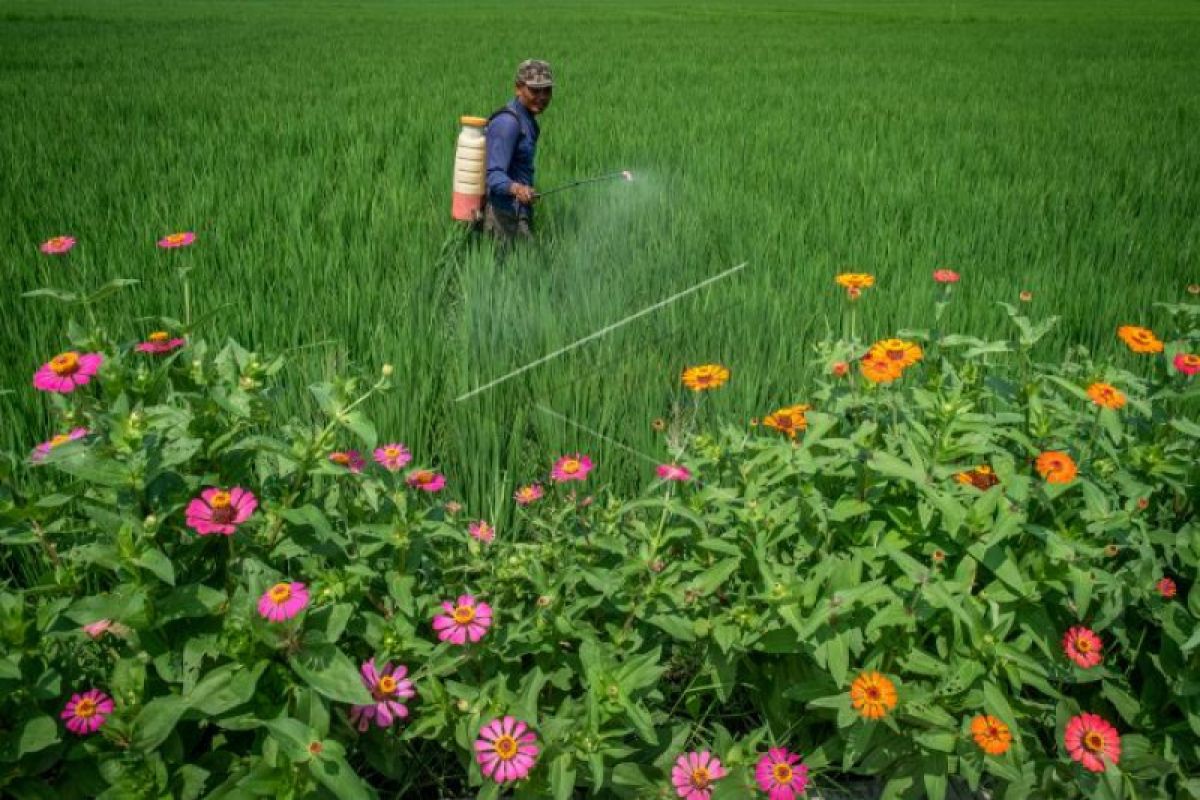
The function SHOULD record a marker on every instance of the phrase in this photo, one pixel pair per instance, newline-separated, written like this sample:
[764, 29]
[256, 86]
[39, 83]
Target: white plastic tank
[470, 169]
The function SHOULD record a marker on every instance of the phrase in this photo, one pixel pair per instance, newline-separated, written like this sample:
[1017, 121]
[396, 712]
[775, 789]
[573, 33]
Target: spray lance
[625, 175]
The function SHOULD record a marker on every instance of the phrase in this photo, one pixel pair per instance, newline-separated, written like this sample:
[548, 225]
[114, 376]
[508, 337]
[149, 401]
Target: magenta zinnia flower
[527, 494]
[571, 468]
[159, 343]
[350, 459]
[392, 457]
[283, 601]
[388, 687]
[673, 472]
[781, 775]
[58, 245]
[1092, 741]
[220, 511]
[464, 620]
[506, 750]
[945, 276]
[42, 450]
[86, 712]
[694, 774]
[482, 531]
[426, 480]
[1187, 363]
[177, 240]
[67, 371]
[1083, 646]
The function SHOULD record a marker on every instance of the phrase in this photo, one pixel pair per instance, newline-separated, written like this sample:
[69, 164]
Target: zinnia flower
[673, 472]
[506, 750]
[67, 371]
[1026, 297]
[1166, 588]
[220, 510]
[426, 480]
[42, 450]
[901, 352]
[839, 369]
[1187, 363]
[945, 276]
[788, 420]
[86, 712]
[981, 477]
[855, 280]
[781, 775]
[465, 620]
[1082, 646]
[102, 626]
[387, 687]
[880, 369]
[1106, 396]
[705, 377]
[158, 343]
[992, 735]
[58, 245]
[571, 468]
[1140, 340]
[1056, 467]
[177, 240]
[1091, 741]
[482, 531]
[527, 494]
[694, 774]
[392, 457]
[873, 695]
[350, 459]
[283, 601]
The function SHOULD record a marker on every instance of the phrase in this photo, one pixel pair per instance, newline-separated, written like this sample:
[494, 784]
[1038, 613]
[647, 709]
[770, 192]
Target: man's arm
[502, 135]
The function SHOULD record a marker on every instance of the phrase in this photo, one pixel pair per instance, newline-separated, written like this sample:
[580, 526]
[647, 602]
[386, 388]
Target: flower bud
[544, 601]
[462, 705]
[387, 370]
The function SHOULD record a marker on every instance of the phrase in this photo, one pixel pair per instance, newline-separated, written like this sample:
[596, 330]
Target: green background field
[1043, 146]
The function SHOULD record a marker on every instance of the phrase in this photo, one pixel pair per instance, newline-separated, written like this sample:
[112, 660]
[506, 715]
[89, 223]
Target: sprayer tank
[470, 169]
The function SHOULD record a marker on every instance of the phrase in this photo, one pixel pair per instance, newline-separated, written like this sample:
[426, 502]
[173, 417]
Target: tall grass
[1048, 147]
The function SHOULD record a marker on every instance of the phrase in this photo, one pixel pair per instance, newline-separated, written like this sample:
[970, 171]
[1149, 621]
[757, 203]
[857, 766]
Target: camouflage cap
[535, 73]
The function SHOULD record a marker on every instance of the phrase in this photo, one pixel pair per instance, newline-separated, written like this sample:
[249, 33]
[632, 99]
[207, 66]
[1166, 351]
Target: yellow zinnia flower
[855, 280]
[903, 353]
[788, 420]
[1107, 396]
[1140, 340]
[706, 376]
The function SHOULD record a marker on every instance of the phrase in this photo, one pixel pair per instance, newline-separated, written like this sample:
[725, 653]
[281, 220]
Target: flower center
[506, 747]
[464, 614]
[895, 355]
[1093, 741]
[176, 238]
[340, 458]
[85, 708]
[873, 692]
[158, 337]
[222, 509]
[1083, 645]
[65, 364]
[424, 476]
[570, 466]
[280, 592]
[61, 438]
[387, 685]
[391, 452]
[993, 732]
[701, 778]
[783, 774]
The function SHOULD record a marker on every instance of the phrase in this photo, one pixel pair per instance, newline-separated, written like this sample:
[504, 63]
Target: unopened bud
[387, 370]
[462, 705]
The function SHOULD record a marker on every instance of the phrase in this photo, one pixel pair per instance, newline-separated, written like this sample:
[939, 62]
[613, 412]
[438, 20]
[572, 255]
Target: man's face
[533, 99]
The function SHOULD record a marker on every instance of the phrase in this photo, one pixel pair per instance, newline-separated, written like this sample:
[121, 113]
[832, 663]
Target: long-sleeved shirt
[511, 147]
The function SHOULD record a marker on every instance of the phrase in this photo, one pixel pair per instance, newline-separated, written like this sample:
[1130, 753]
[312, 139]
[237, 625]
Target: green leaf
[335, 774]
[37, 734]
[159, 564]
[83, 463]
[838, 655]
[327, 670]
[225, 688]
[156, 721]
[187, 602]
[714, 576]
[293, 737]
[562, 777]
[361, 427]
[887, 464]
[677, 626]
[1125, 704]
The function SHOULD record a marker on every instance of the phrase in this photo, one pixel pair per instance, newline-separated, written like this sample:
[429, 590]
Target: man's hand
[523, 194]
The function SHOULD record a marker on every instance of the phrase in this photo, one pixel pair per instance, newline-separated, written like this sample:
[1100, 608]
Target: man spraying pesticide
[494, 165]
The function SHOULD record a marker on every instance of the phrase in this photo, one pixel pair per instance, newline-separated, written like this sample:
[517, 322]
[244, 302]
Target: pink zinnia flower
[1187, 363]
[426, 480]
[159, 343]
[86, 712]
[177, 240]
[58, 245]
[392, 457]
[283, 601]
[464, 620]
[527, 494]
[1091, 741]
[350, 459]
[506, 750]
[1166, 588]
[1082, 646]
[482, 531]
[67, 371]
[388, 687]
[571, 468]
[694, 774]
[220, 511]
[945, 276]
[42, 450]
[673, 472]
[781, 775]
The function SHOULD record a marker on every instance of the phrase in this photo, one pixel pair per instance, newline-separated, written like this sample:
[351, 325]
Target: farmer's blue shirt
[511, 148]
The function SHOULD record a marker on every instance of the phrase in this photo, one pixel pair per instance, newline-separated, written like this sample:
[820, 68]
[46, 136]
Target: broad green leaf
[225, 688]
[327, 670]
[37, 733]
[193, 600]
[159, 564]
[562, 777]
[156, 721]
[335, 774]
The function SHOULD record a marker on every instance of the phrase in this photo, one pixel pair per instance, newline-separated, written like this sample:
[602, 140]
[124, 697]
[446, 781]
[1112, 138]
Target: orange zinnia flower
[1107, 396]
[1140, 340]
[1056, 467]
[855, 280]
[873, 695]
[992, 735]
[788, 420]
[880, 369]
[981, 477]
[903, 353]
[706, 376]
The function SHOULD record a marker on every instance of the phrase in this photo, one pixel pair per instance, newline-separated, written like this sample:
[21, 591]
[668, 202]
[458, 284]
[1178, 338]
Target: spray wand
[623, 174]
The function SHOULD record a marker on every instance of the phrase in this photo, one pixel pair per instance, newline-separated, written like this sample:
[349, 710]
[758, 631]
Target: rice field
[1048, 147]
